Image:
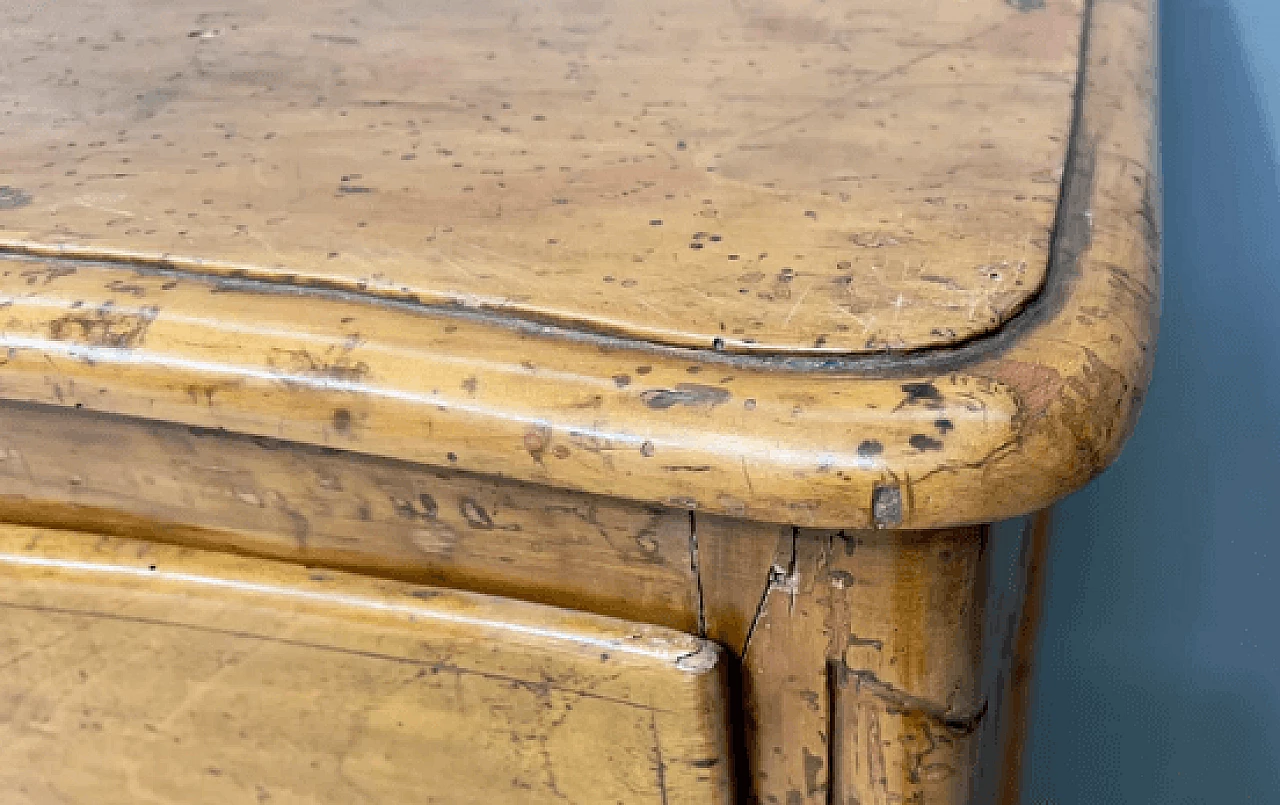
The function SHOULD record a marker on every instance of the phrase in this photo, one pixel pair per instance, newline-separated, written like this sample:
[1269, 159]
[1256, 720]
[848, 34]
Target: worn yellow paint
[137, 672]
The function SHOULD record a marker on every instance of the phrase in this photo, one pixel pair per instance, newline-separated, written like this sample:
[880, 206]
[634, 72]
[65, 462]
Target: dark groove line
[835, 734]
[695, 564]
[904, 702]
[657, 750]
[755, 620]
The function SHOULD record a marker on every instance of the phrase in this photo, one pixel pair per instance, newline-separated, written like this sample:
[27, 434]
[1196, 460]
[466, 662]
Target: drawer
[138, 672]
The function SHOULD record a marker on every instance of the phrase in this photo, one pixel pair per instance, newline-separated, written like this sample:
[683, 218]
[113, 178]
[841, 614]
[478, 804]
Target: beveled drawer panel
[137, 672]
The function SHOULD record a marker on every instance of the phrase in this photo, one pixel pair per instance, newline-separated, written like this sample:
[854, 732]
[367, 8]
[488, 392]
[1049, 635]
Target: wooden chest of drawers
[586, 401]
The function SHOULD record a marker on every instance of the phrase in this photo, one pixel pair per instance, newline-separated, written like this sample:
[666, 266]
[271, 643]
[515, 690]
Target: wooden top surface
[765, 175]
[167, 261]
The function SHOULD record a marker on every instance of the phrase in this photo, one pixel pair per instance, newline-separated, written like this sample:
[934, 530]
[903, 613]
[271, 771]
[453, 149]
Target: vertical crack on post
[660, 764]
[836, 677]
[695, 565]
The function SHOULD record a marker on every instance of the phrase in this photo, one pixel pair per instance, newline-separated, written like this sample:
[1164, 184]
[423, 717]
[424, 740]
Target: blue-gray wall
[1159, 667]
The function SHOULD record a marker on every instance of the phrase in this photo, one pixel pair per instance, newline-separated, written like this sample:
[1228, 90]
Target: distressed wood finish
[136, 672]
[778, 175]
[999, 426]
[741, 320]
[860, 674]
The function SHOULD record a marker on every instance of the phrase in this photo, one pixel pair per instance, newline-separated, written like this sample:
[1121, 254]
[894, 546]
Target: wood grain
[136, 672]
[776, 175]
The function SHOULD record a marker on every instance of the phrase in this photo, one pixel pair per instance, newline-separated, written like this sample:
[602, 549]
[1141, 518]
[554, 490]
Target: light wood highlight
[139, 672]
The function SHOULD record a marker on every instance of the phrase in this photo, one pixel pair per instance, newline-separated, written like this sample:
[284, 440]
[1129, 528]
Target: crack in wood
[835, 733]
[900, 701]
[696, 566]
[778, 579]
[661, 765]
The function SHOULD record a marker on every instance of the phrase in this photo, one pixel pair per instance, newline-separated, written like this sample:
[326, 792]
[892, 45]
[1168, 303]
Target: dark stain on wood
[869, 448]
[926, 394]
[693, 395]
[11, 198]
[103, 326]
[923, 443]
[475, 515]
[342, 421]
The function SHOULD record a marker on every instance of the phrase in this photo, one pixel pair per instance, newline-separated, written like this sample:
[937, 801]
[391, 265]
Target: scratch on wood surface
[660, 764]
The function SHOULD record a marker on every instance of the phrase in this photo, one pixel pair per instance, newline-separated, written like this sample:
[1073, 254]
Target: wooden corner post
[878, 667]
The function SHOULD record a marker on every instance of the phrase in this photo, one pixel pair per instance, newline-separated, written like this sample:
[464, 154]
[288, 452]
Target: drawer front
[136, 672]
[296, 503]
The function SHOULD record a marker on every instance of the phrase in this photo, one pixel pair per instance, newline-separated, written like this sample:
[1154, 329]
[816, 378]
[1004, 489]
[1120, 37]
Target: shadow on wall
[1159, 664]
